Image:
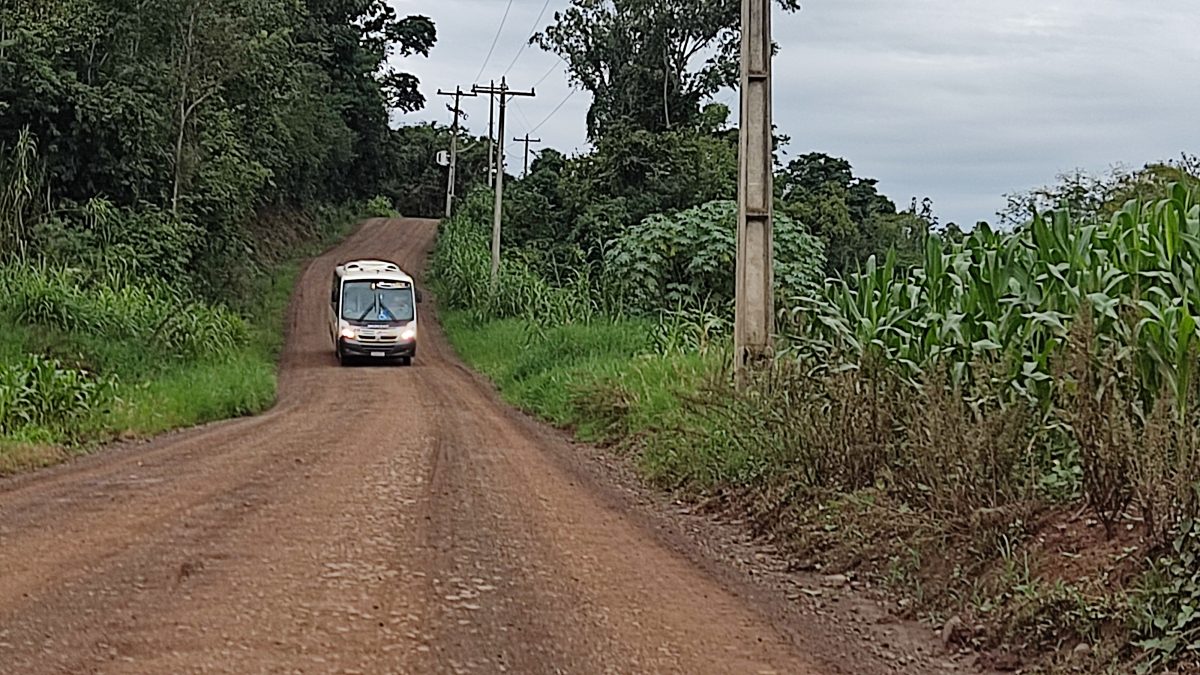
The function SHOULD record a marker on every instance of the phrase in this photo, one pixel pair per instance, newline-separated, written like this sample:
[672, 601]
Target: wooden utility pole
[458, 94]
[527, 140]
[504, 93]
[754, 321]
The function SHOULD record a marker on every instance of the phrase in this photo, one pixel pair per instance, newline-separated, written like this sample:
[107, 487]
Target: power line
[555, 111]
[494, 41]
[497, 211]
[528, 150]
[549, 72]
[521, 112]
[525, 46]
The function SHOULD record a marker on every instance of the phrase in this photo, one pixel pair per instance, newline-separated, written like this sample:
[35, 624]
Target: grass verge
[68, 385]
[1029, 584]
[600, 379]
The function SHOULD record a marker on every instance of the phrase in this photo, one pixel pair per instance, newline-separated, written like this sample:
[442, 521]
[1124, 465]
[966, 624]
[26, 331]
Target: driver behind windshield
[370, 301]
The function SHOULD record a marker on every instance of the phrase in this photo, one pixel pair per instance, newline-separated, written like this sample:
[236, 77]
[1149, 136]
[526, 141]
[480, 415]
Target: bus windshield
[377, 301]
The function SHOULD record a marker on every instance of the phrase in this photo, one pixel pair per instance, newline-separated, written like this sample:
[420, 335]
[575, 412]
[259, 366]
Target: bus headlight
[349, 333]
[408, 334]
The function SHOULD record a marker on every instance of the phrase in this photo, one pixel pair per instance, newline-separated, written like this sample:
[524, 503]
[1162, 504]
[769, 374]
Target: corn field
[1009, 300]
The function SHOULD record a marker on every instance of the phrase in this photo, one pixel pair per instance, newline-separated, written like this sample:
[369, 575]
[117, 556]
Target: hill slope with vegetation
[163, 166]
[996, 428]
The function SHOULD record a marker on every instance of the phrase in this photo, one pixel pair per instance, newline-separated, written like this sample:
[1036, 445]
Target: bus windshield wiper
[369, 310]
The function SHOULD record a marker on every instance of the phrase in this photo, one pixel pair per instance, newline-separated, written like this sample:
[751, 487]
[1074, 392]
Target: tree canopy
[193, 116]
[649, 64]
[847, 212]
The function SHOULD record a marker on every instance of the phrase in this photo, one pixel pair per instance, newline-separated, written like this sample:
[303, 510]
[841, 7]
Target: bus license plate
[378, 355]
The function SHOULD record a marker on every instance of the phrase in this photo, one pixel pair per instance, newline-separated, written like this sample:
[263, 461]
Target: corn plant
[42, 393]
[1010, 299]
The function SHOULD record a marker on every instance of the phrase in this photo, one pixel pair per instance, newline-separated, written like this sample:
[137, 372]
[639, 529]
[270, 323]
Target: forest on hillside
[163, 167]
[165, 130]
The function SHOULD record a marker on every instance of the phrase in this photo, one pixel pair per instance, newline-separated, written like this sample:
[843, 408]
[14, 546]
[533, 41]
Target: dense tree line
[1095, 198]
[661, 145]
[182, 121]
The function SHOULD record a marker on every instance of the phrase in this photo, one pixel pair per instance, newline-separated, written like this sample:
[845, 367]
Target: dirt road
[377, 520]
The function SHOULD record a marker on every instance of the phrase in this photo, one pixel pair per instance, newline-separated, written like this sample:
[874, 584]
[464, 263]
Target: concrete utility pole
[527, 140]
[458, 94]
[754, 321]
[491, 133]
[504, 93]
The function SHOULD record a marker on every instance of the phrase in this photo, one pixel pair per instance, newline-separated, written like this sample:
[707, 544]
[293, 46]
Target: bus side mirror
[419, 298]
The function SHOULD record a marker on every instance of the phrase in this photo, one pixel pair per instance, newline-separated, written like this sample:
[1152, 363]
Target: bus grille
[381, 339]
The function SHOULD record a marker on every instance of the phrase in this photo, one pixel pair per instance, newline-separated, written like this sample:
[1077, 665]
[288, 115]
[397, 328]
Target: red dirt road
[377, 520]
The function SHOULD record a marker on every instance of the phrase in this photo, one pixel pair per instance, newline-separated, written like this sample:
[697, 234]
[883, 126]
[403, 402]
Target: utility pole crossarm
[496, 159]
[504, 93]
[527, 141]
[451, 181]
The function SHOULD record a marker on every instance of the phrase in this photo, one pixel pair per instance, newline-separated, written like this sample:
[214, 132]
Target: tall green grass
[461, 269]
[150, 313]
[87, 355]
[86, 359]
[603, 380]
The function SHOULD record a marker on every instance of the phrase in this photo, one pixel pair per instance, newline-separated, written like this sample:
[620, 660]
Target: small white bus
[373, 312]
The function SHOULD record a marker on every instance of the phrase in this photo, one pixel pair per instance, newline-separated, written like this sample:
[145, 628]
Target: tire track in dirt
[377, 520]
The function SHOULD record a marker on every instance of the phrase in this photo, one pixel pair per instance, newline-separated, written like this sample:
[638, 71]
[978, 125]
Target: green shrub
[688, 259]
[40, 393]
[380, 207]
[1166, 605]
[121, 243]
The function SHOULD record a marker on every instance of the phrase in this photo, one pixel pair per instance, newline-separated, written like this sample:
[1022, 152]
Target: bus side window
[333, 296]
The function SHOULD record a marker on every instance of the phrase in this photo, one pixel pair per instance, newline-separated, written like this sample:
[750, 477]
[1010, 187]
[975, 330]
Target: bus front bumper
[390, 350]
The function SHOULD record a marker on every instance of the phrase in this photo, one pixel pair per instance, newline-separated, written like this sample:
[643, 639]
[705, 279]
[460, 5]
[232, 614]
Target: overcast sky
[958, 100]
